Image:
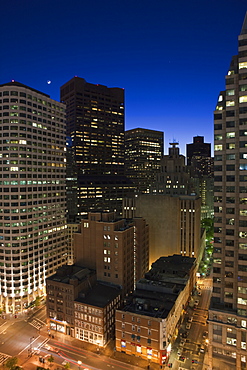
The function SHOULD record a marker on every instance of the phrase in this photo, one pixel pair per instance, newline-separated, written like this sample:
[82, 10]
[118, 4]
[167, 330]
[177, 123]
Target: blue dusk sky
[171, 57]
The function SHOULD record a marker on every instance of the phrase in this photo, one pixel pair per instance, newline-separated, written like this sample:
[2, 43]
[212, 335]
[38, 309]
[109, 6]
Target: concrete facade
[32, 197]
[227, 315]
[174, 223]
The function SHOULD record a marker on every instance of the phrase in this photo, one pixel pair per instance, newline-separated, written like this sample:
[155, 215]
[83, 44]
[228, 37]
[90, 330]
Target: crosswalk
[3, 358]
[36, 323]
[206, 287]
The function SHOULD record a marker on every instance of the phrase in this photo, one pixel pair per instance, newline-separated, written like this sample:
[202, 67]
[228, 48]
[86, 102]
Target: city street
[28, 335]
[189, 352]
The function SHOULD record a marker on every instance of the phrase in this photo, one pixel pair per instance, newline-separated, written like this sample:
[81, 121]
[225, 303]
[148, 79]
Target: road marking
[28, 346]
[3, 358]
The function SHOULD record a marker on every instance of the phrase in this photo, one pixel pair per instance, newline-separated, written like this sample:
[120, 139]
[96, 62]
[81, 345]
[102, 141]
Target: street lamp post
[97, 346]
[79, 364]
[30, 346]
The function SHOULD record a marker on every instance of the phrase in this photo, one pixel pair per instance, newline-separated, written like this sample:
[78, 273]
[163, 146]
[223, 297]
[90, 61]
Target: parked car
[199, 293]
[202, 349]
[188, 326]
[182, 358]
[182, 343]
[190, 319]
[196, 302]
[205, 334]
[185, 334]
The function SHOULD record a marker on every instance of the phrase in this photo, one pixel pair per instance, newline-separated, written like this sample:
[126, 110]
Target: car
[202, 349]
[194, 361]
[205, 334]
[190, 319]
[185, 334]
[196, 302]
[181, 358]
[50, 348]
[199, 293]
[182, 343]
[179, 352]
[188, 326]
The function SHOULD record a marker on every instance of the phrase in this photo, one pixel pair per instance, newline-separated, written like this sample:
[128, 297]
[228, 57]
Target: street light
[30, 346]
[98, 342]
[79, 364]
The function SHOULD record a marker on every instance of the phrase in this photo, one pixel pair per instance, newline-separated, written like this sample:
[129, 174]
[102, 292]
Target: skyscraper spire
[244, 26]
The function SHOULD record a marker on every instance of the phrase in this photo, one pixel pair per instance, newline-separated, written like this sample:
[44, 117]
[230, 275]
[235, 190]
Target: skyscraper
[32, 193]
[199, 156]
[95, 132]
[200, 167]
[228, 311]
[143, 152]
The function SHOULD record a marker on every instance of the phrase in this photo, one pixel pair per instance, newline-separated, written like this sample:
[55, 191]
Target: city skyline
[165, 56]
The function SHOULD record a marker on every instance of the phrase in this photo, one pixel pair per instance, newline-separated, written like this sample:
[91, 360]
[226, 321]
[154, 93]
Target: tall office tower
[228, 310]
[200, 167]
[143, 152]
[32, 193]
[95, 131]
[173, 178]
[199, 157]
[113, 248]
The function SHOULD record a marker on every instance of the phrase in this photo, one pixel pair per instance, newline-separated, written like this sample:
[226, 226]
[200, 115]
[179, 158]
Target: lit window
[242, 301]
[230, 135]
[230, 103]
[242, 65]
[139, 349]
[218, 147]
[243, 99]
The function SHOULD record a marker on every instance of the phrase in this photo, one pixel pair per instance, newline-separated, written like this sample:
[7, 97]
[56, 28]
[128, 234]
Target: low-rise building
[62, 289]
[80, 306]
[95, 314]
[148, 323]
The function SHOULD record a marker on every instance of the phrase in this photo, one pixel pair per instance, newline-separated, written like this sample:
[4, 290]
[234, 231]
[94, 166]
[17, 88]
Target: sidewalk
[108, 351]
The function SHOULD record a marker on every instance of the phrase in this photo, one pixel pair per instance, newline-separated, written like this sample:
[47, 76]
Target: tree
[11, 363]
[67, 365]
[51, 359]
[37, 301]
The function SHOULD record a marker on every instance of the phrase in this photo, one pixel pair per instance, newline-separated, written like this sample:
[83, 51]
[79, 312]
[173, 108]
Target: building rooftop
[176, 266]
[68, 273]
[18, 84]
[156, 294]
[100, 295]
[150, 303]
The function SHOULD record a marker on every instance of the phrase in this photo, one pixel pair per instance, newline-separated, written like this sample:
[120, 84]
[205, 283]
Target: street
[27, 338]
[190, 347]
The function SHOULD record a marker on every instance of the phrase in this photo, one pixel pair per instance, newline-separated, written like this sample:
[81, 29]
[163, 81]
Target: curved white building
[32, 193]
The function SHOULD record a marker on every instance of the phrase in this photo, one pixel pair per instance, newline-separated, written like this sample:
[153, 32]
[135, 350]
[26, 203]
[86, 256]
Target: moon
[48, 82]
